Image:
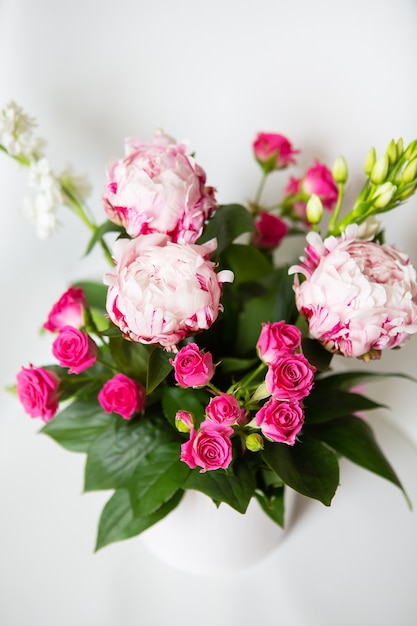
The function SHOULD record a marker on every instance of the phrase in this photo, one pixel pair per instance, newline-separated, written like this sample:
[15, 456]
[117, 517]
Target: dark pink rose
[37, 390]
[158, 188]
[318, 180]
[210, 448]
[273, 151]
[192, 366]
[290, 377]
[122, 395]
[270, 230]
[280, 420]
[225, 409]
[73, 348]
[67, 311]
[275, 338]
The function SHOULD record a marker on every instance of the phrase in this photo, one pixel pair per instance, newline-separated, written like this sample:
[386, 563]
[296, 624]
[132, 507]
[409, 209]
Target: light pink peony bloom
[273, 151]
[358, 296]
[122, 395]
[270, 230]
[317, 180]
[225, 409]
[277, 338]
[37, 390]
[210, 448]
[67, 311]
[161, 292]
[74, 349]
[192, 366]
[157, 187]
[280, 421]
[290, 377]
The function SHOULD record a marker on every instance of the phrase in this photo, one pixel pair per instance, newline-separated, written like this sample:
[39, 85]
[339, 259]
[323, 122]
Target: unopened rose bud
[380, 170]
[410, 172]
[184, 421]
[314, 209]
[383, 195]
[370, 161]
[391, 151]
[340, 171]
[254, 442]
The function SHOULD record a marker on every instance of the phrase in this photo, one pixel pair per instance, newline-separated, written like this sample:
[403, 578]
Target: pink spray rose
[290, 377]
[225, 409]
[359, 296]
[275, 338]
[317, 180]
[37, 390]
[280, 421]
[273, 151]
[210, 448]
[158, 188]
[161, 292]
[67, 311]
[73, 348]
[192, 366]
[122, 395]
[270, 230]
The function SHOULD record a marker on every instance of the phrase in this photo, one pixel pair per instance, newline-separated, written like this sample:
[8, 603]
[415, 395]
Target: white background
[335, 77]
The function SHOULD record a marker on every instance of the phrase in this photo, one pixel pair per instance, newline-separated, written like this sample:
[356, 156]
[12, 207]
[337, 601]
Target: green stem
[336, 210]
[261, 367]
[260, 189]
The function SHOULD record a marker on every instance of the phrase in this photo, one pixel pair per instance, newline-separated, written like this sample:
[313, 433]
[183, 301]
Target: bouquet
[199, 362]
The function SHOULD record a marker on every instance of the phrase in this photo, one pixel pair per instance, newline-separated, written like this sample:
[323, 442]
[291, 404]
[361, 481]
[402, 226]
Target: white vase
[199, 538]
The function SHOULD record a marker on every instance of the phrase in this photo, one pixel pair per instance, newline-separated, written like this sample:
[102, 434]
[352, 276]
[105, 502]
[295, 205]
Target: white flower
[41, 208]
[16, 132]
[77, 184]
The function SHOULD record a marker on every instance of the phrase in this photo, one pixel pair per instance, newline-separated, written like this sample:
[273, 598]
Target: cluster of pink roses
[288, 380]
[38, 388]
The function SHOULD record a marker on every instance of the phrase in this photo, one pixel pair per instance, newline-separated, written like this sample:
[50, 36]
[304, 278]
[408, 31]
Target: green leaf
[157, 477]
[230, 365]
[131, 358]
[316, 354]
[273, 504]
[354, 439]
[78, 425]
[178, 399]
[347, 380]
[229, 222]
[246, 262]
[158, 368]
[254, 313]
[96, 293]
[308, 467]
[117, 521]
[234, 487]
[324, 406]
[115, 454]
[100, 231]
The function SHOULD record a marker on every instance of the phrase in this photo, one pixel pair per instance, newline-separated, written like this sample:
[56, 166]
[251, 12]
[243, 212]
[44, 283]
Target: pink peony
[74, 349]
[67, 311]
[280, 421]
[270, 230]
[225, 409]
[290, 377]
[161, 292]
[37, 390]
[210, 448]
[158, 188]
[277, 338]
[122, 395]
[358, 296]
[273, 151]
[192, 366]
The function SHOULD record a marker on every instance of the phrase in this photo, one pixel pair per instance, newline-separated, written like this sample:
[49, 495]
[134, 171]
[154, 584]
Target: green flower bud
[411, 151]
[410, 172]
[400, 147]
[254, 442]
[383, 195]
[184, 421]
[340, 171]
[314, 209]
[370, 161]
[380, 170]
[391, 151]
